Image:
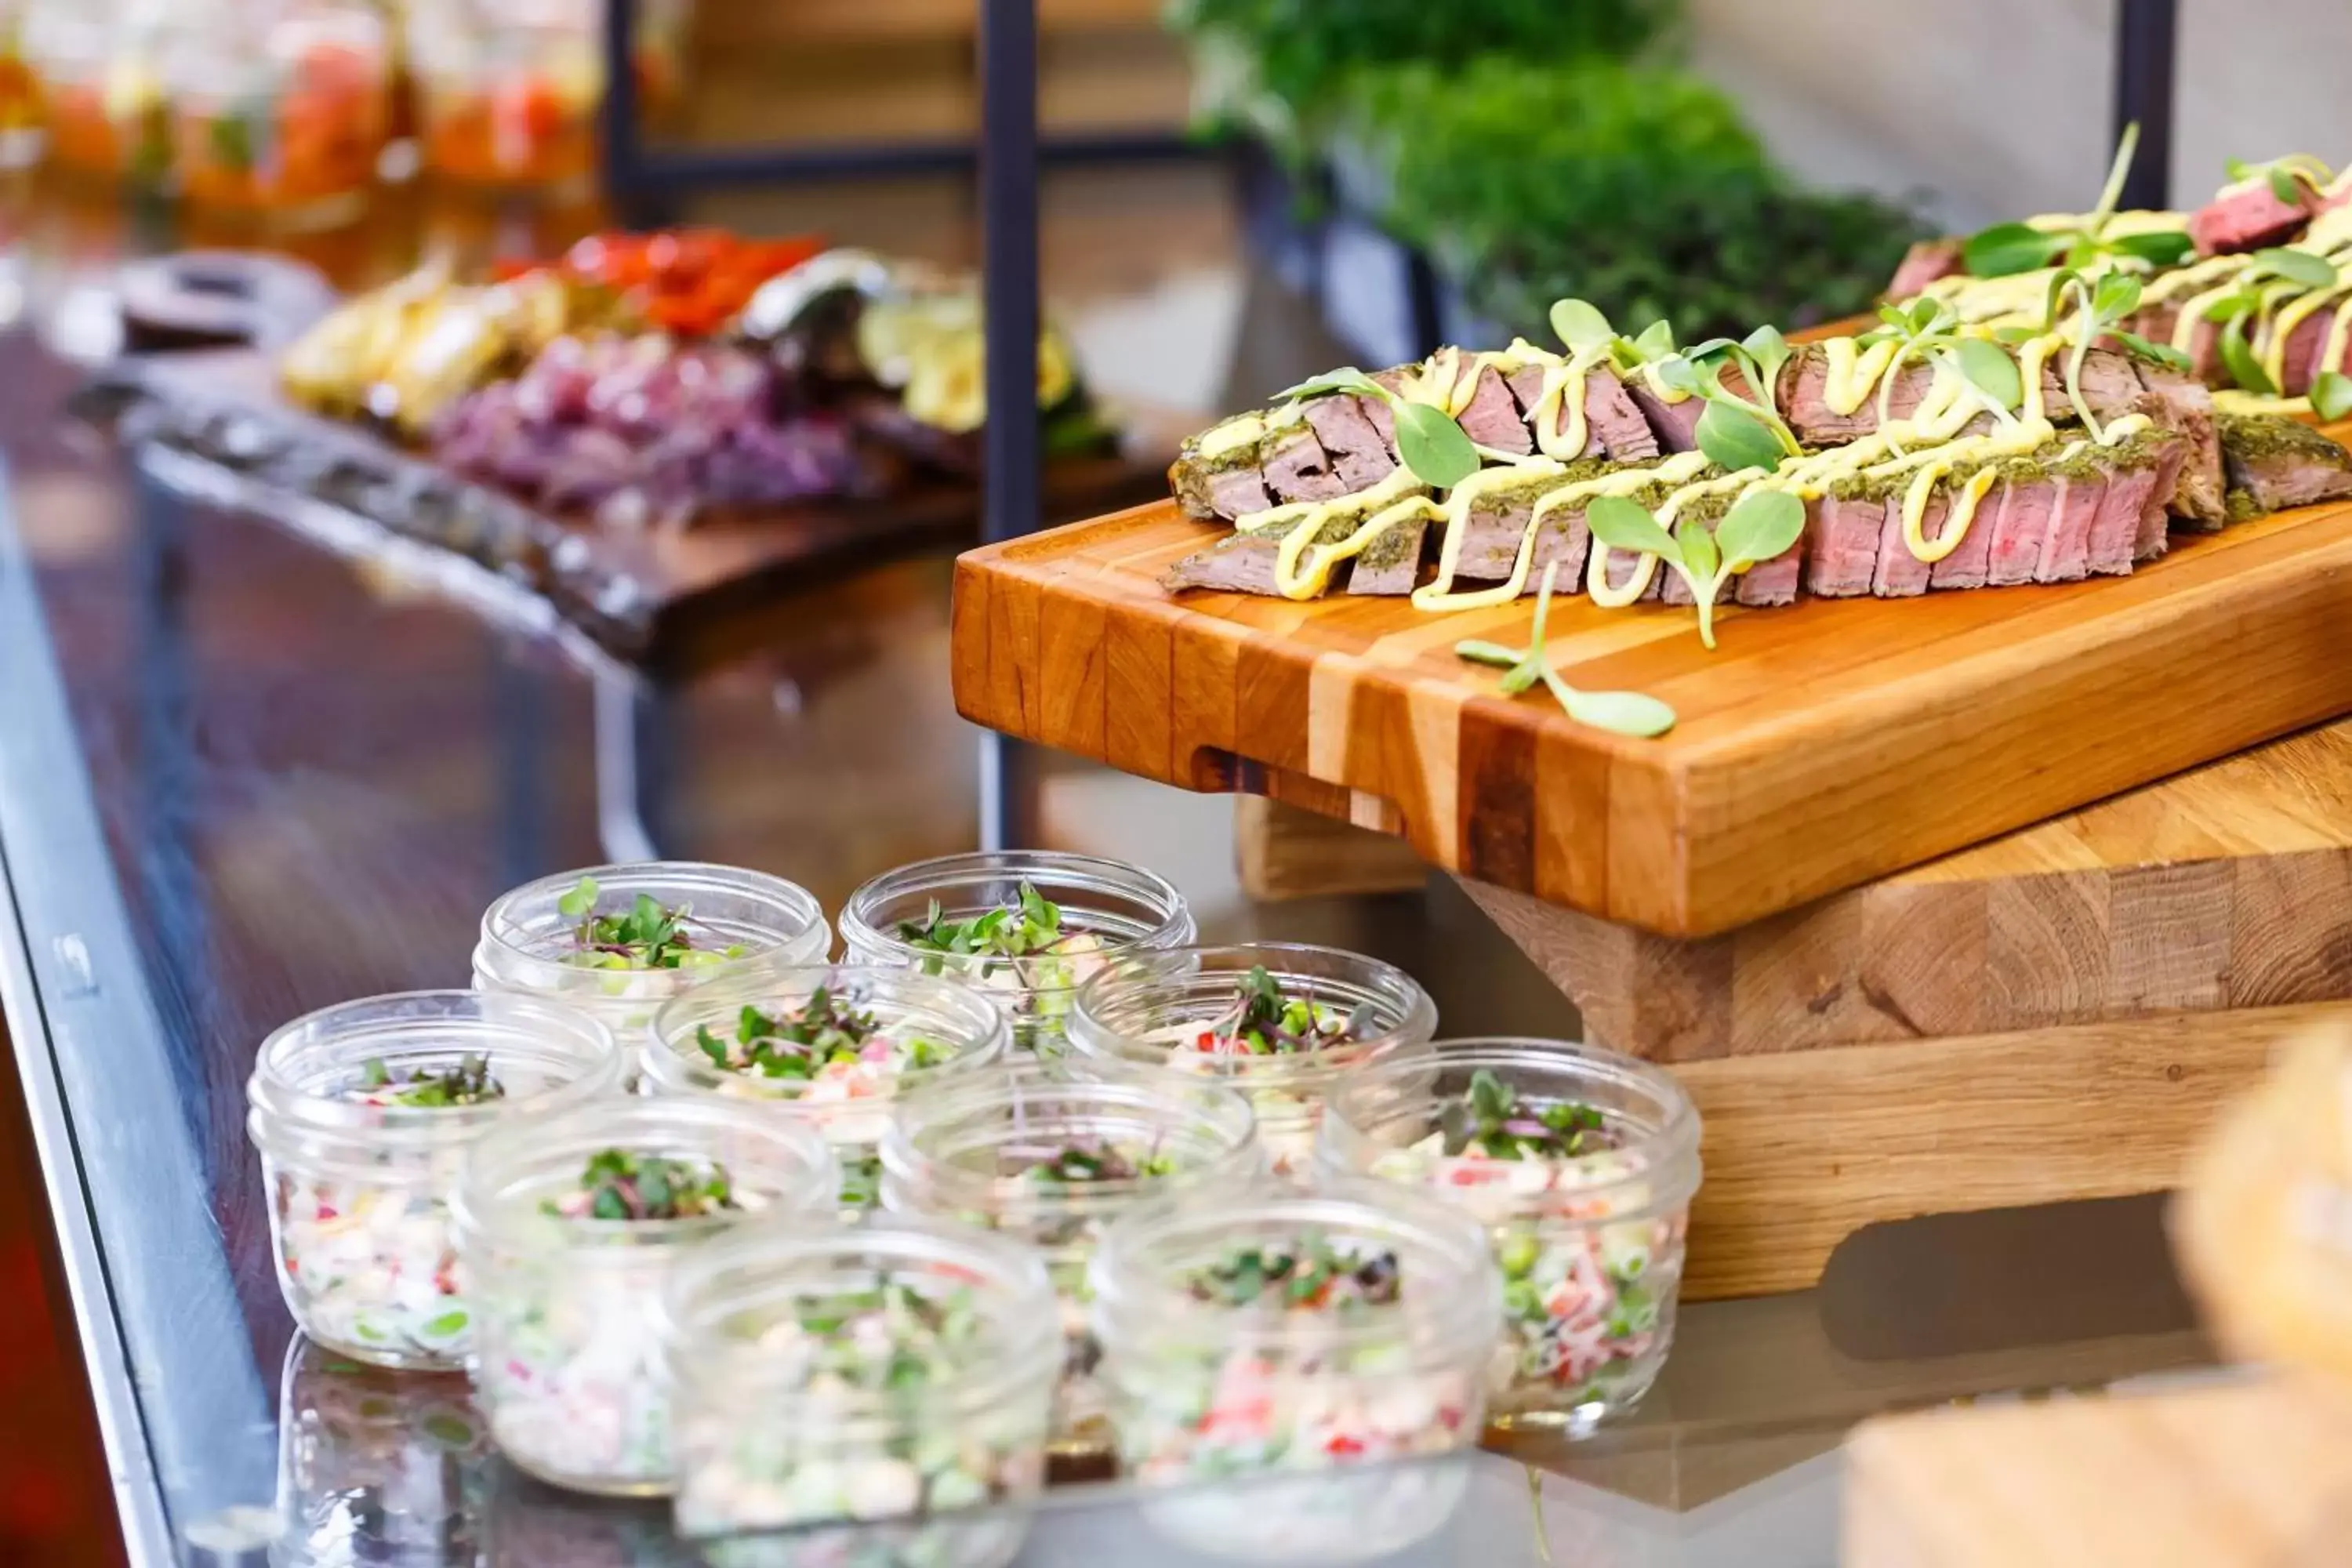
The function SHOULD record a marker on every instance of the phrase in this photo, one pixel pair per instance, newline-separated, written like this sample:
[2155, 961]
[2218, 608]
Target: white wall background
[1995, 108]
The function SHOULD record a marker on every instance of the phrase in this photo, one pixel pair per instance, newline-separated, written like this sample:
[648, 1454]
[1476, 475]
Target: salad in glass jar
[617, 941]
[896, 1370]
[571, 1226]
[102, 66]
[1581, 1164]
[1278, 1022]
[1052, 1159]
[362, 1114]
[1030, 925]
[290, 123]
[507, 96]
[834, 1047]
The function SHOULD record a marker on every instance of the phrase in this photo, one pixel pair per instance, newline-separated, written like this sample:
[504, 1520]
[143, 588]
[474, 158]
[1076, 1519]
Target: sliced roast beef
[2066, 547]
[2029, 503]
[1492, 418]
[1773, 581]
[1361, 456]
[2281, 462]
[2154, 534]
[2186, 408]
[1804, 382]
[2249, 215]
[1208, 491]
[1841, 544]
[1900, 574]
[1673, 425]
[2114, 528]
[1299, 469]
[1923, 263]
[1389, 564]
[1237, 563]
[2299, 363]
[1971, 558]
[1614, 424]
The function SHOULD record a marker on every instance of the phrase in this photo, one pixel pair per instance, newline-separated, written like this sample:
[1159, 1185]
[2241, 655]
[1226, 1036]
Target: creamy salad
[1020, 950]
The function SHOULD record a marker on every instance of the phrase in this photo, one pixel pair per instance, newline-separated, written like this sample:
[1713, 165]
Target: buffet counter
[241, 778]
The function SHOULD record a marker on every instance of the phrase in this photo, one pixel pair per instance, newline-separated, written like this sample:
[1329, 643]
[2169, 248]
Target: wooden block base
[2253, 1473]
[1290, 853]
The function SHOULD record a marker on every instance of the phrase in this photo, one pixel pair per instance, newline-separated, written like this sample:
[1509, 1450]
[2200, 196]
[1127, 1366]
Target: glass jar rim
[1138, 976]
[1665, 1155]
[980, 1031]
[281, 1102]
[968, 1101]
[513, 1164]
[1462, 1307]
[1146, 888]
[1027, 1346]
[504, 954]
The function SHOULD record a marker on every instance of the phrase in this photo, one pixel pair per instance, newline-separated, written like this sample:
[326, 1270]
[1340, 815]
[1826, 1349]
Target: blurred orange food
[128, 139]
[524, 129]
[314, 142]
[691, 282]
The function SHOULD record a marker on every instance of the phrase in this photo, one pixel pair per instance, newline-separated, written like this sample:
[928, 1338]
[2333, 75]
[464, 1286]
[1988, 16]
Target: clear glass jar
[20, 91]
[922, 1027]
[392, 1459]
[1590, 1244]
[790, 1362]
[977, 1149]
[1180, 1009]
[1105, 907]
[360, 1189]
[565, 1362]
[529, 945]
[284, 115]
[506, 95]
[103, 66]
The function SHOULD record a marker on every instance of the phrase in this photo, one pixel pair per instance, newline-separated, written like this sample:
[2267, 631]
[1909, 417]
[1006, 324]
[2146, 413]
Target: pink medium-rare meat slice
[2249, 215]
[2115, 527]
[1773, 581]
[1491, 534]
[1841, 544]
[2154, 535]
[1238, 563]
[2186, 408]
[1926, 261]
[1613, 426]
[1805, 405]
[1971, 558]
[1899, 575]
[2066, 547]
[2027, 507]
[2299, 366]
[1389, 564]
[1491, 419]
[1299, 469]
[1360, 456]
[2279, 462]
[1673, 425]
[1563, 536]
[1527, 384]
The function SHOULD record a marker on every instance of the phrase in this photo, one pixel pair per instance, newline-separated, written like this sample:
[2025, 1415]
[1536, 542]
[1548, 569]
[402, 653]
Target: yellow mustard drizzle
[1850, 372]
[1245, 430]
[2292, 315]
[1464, 495]
[1561, 430]
[1435, 595]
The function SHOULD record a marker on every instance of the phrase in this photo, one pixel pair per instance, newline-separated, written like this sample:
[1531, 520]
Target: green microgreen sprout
[827, 1028]
[1428, 440]
[2268, 276]
[1619, 712]
[1262, 1021]
[1929, 329]
[1312, 1275]
[616, 1183]
[1759, 525]
[1503, 1125]
[467, 1083]
[1735, 432]
[1084, 1161]
[648, 935]
[1032, 924]
[2289, 178]
[2006, 248]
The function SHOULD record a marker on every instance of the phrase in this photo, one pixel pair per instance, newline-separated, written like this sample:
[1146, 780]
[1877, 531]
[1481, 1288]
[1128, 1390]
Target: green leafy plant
[1760, 524]
[1636, 188]
[1429, 441]
[2302, 269]
[1620, 712]
[2011, 248]
[647, 935]
[1737, 432]
[2331, 394]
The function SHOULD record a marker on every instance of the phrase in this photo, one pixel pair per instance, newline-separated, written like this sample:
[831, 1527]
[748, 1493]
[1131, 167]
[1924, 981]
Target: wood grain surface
[1287, 853]
[2257, 1474]
[1822, 745]
[1802, 1149]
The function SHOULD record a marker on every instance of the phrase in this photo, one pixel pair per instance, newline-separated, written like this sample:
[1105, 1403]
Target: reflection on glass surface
[377, 1467]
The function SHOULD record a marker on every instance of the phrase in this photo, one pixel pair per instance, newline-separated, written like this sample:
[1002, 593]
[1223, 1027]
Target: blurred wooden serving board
[1821, 746]
[2258, 1473]
[655, 595]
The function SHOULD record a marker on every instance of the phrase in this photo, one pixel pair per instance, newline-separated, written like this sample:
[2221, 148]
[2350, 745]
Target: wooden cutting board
[2257, 1474]
[1822, 745]
[656, 596]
